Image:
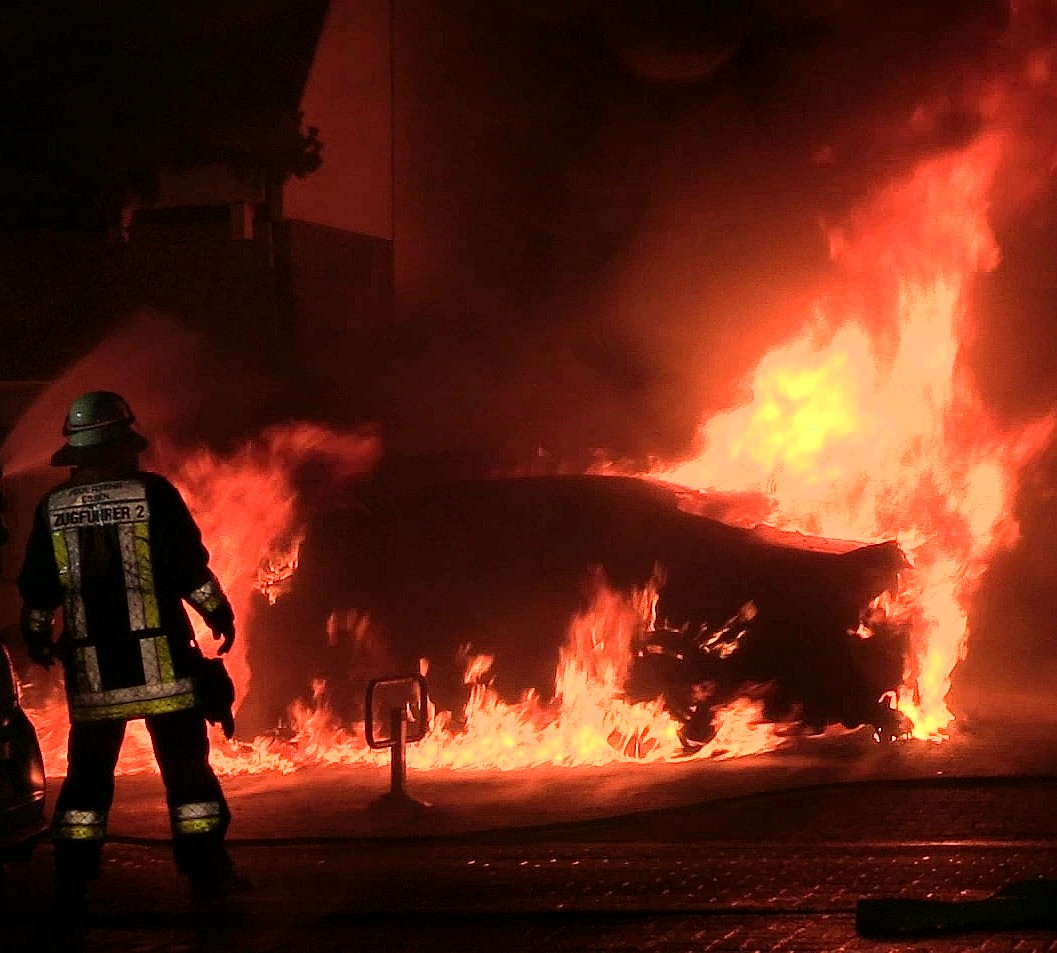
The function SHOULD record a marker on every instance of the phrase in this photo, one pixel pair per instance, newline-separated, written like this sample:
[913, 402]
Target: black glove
[41, 650]
[216, 693]
[222, 624]
[35, 626]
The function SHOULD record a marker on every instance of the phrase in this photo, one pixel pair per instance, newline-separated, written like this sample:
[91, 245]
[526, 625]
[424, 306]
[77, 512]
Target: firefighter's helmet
[98, 424]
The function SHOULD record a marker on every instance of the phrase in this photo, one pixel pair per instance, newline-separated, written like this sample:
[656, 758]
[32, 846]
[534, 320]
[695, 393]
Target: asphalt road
[762, 869]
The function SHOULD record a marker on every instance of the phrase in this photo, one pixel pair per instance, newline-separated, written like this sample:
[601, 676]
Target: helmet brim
[100, 453]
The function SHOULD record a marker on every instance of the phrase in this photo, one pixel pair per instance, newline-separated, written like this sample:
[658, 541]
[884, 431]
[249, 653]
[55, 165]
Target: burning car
[498, 567]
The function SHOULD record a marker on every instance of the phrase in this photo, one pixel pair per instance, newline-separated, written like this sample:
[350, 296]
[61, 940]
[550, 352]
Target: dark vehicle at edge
[22, 780]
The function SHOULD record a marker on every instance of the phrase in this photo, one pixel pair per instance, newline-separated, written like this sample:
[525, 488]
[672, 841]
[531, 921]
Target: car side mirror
[397, 715]
[391, 701]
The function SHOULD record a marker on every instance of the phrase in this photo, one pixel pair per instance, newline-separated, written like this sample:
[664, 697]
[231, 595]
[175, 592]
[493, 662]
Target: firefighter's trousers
[197, 810]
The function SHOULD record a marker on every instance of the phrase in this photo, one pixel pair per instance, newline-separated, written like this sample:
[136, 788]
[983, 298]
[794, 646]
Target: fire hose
[1024, 905]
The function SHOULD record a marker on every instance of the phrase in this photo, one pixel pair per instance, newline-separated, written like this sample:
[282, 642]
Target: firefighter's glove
[42, 651]
[216, 694]
[222, 624]
[35, 625]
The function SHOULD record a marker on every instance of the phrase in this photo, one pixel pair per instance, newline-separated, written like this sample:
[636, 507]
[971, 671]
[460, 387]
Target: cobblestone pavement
[774, 872]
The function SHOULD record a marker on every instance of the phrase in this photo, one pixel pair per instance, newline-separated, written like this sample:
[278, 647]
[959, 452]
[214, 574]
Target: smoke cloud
[606, 213]
[180, 386]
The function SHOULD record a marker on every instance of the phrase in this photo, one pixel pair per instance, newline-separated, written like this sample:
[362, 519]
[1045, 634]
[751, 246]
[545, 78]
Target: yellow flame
[874, 436]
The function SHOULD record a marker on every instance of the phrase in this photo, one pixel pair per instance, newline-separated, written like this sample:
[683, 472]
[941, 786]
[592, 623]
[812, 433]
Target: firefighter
[117, 549]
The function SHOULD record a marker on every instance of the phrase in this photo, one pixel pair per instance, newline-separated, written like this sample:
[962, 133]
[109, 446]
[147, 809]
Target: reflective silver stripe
[208, 596]
[156, 706]
[78, 622]
[127, 539]
[148, 649]
[189, 812]
[91, 660]
[94, 818]
[137, 693]
[86, 665]
[79, 826]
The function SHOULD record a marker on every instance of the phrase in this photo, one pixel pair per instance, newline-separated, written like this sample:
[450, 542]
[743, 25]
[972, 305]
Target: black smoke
[606, 213]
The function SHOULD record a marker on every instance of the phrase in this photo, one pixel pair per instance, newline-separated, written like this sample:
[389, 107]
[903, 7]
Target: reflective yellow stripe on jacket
[122, 505]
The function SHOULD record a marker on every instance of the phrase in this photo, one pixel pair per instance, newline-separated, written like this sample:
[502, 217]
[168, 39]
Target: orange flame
[873, 436]
[247, 508]
[588, 723]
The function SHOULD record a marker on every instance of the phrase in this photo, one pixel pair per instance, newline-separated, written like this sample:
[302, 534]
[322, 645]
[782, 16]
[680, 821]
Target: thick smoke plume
[623, 206]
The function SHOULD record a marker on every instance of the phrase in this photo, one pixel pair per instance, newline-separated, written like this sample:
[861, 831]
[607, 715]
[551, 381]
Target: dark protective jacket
[120, 556]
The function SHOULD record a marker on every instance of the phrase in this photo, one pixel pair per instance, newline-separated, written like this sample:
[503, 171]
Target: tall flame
[248, 510]
[867, 426]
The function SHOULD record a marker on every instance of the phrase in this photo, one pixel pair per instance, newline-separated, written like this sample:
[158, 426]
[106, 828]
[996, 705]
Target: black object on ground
[1024, 905]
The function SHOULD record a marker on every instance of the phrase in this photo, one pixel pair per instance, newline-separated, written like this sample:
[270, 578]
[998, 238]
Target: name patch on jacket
[98, 504]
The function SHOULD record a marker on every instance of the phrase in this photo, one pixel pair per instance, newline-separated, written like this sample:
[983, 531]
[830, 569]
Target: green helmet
[98, 423]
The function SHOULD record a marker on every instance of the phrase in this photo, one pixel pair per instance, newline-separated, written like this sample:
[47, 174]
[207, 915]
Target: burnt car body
[410, 571]
[22, 781]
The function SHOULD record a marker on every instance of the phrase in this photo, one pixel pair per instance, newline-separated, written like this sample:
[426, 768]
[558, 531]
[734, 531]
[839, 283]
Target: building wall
[67, 290]
[58, 298]
[348, 97]
[341, 281]
[195, 270]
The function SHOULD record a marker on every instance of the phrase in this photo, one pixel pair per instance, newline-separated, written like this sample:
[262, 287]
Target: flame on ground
[247, 507]
[587, 723]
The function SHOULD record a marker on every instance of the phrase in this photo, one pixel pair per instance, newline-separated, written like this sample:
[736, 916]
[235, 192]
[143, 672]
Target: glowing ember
[277, 568]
